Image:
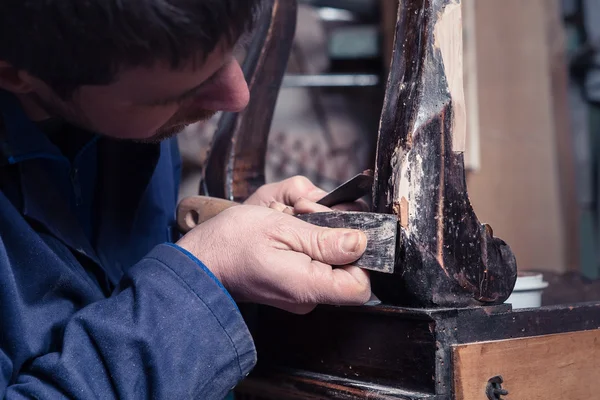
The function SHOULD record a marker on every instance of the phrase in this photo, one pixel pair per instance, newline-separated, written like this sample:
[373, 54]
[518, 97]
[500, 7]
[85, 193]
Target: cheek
[129, 123]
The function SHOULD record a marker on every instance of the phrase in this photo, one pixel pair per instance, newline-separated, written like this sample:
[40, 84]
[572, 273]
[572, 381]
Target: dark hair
[69, 43]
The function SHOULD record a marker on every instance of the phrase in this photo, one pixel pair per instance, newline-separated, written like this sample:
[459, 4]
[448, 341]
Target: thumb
[331, 246]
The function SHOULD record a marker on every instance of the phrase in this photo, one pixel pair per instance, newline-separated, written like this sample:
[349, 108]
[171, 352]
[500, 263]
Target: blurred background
[532, 87]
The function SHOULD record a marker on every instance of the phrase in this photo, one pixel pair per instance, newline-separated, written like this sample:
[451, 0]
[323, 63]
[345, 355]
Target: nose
[229, 92]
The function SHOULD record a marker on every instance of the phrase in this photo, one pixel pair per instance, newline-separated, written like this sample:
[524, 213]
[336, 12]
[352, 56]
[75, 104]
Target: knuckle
[274, 205]
[278, 224]
[277, 229]
[299, 182]
[320, 246]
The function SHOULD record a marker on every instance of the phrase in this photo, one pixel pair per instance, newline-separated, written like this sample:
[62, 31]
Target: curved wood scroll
[236, 163]
[445, 256]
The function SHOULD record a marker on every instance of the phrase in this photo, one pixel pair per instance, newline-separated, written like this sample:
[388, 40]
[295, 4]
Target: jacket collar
[125, 170]
[20, 138]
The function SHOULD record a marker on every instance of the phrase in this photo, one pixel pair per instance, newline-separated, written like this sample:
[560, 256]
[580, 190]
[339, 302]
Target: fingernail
[351, 242]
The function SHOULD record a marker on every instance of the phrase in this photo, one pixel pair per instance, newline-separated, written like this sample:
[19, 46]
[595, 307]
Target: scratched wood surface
[380, 229]
[446, 256]
[562, 366]
[235, 166]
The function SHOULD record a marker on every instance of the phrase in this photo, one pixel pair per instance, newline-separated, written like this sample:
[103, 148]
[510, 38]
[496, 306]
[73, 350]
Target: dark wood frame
[386, 352]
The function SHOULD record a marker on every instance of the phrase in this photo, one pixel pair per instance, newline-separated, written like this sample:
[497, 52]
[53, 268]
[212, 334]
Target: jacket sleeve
[170, 331]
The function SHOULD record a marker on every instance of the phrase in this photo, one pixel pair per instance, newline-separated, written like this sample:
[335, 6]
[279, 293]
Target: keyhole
[494, 389]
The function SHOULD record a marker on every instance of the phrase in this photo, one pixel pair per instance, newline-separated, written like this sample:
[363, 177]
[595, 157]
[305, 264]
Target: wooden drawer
[561, 366]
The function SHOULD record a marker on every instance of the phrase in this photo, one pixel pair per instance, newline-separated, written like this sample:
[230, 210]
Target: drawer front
[562, 366]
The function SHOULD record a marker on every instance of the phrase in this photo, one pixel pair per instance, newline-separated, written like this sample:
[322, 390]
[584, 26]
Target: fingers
[307, 206]
[281, 208]
[267, 257]
[298, 187]
[287, 192]
[359, 205]
[317, 283]
[294, 190]
[327, 245]
[346, 286]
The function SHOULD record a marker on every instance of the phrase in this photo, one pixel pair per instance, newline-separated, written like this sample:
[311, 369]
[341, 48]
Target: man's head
[138, 70]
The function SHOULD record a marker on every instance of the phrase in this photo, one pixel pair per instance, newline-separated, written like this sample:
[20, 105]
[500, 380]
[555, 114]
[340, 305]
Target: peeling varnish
[448, 38]
[404, 210]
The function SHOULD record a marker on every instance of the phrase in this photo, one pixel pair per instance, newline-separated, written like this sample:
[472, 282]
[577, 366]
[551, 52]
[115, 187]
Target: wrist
[202, 256]
[202, 266]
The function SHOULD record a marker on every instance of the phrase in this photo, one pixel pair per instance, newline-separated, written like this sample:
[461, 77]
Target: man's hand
[268, 257]
[300, 194]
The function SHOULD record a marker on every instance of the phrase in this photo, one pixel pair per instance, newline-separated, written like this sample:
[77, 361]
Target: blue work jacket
[96, 302]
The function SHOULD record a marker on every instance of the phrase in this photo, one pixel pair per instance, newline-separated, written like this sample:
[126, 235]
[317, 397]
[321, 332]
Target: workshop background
[532, 87]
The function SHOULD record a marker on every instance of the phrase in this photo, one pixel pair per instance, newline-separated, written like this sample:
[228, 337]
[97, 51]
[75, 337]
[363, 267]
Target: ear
[14, 80]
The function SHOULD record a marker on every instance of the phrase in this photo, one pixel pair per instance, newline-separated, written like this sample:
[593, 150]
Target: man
[97, 301]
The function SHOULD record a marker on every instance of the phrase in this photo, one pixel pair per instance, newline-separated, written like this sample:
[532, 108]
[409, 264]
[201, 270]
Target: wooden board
[562, 366]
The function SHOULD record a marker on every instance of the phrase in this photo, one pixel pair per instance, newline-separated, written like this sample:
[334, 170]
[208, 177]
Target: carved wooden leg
[446, 257]
[235, 167]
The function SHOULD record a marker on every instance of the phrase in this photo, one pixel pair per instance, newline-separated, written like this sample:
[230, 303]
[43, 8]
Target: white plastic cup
[528, 290]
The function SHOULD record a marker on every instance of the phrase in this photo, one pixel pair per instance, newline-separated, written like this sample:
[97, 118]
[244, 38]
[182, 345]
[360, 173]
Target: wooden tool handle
[381, 229]
[194, 210]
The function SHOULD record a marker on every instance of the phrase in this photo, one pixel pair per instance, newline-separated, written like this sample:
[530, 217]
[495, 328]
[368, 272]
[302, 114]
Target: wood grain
[562, 366]
[446, 256]
[195, 210]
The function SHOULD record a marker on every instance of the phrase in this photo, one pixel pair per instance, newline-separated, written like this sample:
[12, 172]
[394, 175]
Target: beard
[171, 128]
[177, 124]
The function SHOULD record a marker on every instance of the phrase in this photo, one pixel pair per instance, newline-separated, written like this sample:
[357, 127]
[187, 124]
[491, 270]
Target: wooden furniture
[442, 331]
[401, 353]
